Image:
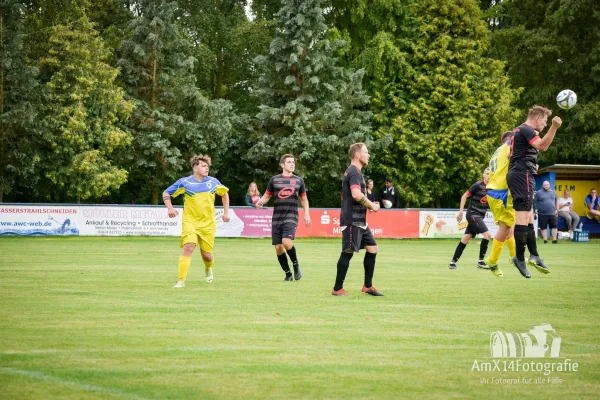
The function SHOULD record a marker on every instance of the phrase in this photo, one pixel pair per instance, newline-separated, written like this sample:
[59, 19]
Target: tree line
[104, 101]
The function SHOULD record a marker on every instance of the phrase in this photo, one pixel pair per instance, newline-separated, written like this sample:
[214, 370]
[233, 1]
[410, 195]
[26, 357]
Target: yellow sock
[208, 264]
[497, 247]
[184, 266]
[512, 246]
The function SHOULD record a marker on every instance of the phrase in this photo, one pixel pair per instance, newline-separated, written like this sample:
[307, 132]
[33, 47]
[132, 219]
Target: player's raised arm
[225, 199]
[362, 199]
[167, 200]
[546, 141]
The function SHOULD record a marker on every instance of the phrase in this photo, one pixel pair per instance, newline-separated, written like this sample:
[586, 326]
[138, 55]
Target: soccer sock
[369, 264]
[342, 269]
[283, 261]
[521, 241]
[184, 266]
[483, 248]
[512, 246]
[458, 252]
[208, 264]
[531, 242]
[497, 247]
[292, 254]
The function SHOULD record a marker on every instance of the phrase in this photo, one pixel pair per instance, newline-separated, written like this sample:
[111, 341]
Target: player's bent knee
[279, 249]
[487, 235]
[287, 243]
[372, 249]
[188, 249]
[207, 256]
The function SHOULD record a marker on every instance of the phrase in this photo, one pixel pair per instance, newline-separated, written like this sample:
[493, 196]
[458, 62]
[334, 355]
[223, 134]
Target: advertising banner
[84, 220]
[443, 224]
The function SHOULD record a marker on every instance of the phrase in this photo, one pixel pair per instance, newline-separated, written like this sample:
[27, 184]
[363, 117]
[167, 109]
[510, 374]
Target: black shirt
[477, 192]
[391, 194]
[286, 190]
[353, 213]
[523, 156]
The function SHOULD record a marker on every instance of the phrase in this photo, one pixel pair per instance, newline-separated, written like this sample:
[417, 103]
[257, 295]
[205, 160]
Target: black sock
[292, 254]
[459, 250]
[521, 241]
[342, 269]
[483, 248]
[369, 264]
[283, 261]
[531, 242]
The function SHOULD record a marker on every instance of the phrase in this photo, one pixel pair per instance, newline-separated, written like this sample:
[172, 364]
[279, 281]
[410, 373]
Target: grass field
[97, 318]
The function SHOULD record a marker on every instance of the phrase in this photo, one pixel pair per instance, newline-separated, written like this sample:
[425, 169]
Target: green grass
[97, 318]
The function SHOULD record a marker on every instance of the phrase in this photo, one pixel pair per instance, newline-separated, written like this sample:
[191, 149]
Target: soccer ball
[566, 99]
[386, 203]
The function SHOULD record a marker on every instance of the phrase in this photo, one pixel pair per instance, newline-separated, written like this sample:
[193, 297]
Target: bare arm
[546, 141]
[167, 200]
[304, 202]
[225, 199]
[362, 199]
[263, 200]
[463, 201]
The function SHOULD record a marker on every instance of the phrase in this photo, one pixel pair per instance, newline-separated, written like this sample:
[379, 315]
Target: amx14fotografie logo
[510, 353]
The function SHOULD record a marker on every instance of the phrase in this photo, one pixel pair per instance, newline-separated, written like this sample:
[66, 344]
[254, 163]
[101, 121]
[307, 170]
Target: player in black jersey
[287, 189]
[356, 234]
[524, 147]
[475, 215]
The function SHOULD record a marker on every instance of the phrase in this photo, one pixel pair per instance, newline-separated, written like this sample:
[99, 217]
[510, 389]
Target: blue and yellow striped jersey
[199, 199]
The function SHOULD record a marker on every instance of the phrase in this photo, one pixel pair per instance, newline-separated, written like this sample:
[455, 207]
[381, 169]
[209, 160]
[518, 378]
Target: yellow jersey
[199, 200]
[499, 168]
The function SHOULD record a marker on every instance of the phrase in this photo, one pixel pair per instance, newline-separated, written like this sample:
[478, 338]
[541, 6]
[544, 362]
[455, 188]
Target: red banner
[384, 223]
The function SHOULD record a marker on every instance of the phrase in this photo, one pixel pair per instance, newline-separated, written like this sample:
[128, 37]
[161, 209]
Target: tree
[18, 101]
[171, 120]
[82, 111]
[310, 106]
[550, 45]
[434, 93]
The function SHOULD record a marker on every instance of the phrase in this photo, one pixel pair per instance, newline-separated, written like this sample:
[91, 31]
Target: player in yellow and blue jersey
[501, 205]
[199, 226]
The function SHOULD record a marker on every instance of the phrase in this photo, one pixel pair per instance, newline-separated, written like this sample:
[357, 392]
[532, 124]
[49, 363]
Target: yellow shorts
[501, 213]
[204, 237]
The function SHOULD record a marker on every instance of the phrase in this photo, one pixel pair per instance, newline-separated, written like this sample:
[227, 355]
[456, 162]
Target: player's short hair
[286, 156]
[195, 160]
[505, 135]
[355, 148]
[539, 111]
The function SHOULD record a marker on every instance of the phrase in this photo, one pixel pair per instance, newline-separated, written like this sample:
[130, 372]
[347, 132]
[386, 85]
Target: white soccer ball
[566, 99]
[386, 203]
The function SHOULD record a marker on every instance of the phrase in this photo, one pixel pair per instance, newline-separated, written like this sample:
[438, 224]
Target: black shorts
[522, 188]
[355, 238]
[545, 220]
[283, 231]
[476, 224]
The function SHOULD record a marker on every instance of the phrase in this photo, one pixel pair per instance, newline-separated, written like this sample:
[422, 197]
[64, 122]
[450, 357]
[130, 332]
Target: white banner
[443, 224]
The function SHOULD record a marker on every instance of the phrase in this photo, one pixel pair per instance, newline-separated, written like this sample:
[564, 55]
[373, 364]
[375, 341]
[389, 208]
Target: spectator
[565, 210]
[546, 203]
[591, 202]
[389, 196]
[370, 192]
[253, 195]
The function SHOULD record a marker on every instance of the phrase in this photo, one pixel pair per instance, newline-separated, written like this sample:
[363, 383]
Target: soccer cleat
[537, 263]
[494, 268]
[340, 292]
[521, 267]
[452, 265]
[371, 290]
[179, 284]
[288, 277]
[481, 264]
[208, 275]
[297, 272]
